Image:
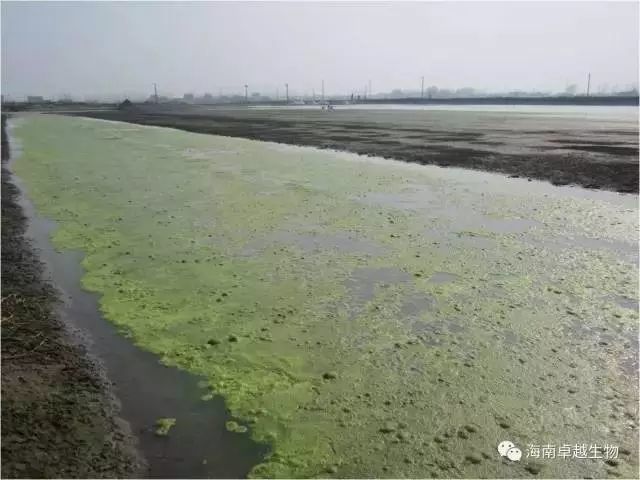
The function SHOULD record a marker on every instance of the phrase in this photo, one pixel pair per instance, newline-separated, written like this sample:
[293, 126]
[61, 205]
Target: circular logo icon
[504, 447]
[514, 454]
[509, 450]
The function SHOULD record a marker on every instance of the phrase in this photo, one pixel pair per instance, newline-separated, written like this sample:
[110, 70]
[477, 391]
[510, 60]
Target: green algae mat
[366, 318]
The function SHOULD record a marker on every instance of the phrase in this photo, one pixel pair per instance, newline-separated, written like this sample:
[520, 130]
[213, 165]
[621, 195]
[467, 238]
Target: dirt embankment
[597, 158]
[58, 417]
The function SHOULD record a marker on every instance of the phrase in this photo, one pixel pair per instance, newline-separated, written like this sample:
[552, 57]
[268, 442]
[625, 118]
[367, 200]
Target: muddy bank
[57, 418]
[586, 153]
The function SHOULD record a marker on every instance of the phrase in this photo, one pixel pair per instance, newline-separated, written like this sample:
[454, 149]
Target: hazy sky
[119, 48]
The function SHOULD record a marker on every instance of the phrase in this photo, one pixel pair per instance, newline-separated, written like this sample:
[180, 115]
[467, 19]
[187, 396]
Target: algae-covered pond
[366, 318]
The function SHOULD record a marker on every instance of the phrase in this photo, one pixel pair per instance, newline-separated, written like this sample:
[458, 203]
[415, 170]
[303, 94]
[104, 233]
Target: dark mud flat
[75, 431]
[561, 150]
[57, 418]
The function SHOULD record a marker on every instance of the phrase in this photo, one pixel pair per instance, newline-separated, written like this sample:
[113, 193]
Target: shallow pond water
[368, 318]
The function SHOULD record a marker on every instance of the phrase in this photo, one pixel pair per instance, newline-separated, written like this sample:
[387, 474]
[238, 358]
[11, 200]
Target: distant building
[465, 92]
[126, 104]
[35, 99]
[159, 99]
[571, 89]
[188, 97]
[206, 98]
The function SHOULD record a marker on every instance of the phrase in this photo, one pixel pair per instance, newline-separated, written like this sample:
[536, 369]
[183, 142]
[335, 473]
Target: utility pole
[246, 93]
[155, 92]
[323, 90]
[369, 87]
[422, 87]
[277, 93]
[588, 83]
[286, 88]
[313, 94]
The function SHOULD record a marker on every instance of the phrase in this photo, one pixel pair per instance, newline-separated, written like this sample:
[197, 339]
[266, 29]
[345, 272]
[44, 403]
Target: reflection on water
[443, 277]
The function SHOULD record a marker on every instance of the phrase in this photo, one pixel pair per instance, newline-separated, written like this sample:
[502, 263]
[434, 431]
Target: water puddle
[436, 332]
[453, 216]
[626, 302]
[407, 200]
[502, 225]
[469, 239]
[443, 277]
[363, 281]
[312, 242]
[623, 250]
[608, 337]
[415, 305]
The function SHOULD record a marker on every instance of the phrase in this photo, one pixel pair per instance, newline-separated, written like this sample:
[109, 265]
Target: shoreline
[566, 157]
[59, 415]
[520, 100]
